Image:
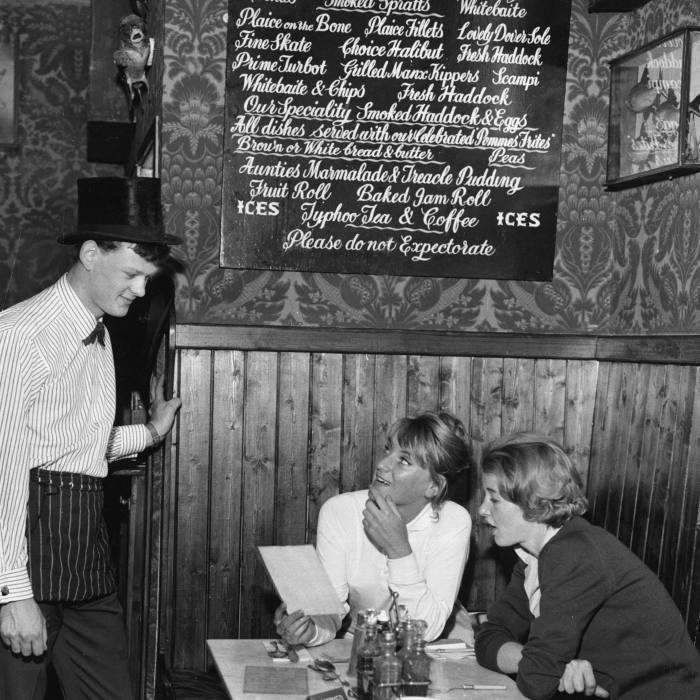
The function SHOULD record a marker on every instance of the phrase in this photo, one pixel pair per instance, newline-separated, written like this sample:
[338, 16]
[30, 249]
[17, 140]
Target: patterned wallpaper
[625, 263]
[654, 283]
[37, 177]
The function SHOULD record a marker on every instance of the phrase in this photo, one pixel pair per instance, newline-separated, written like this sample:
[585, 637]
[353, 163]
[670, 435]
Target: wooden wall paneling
[156, 565]
[628, 453]
[550, 398]
[617, 485]
[661, 349]
[259, 460]
[692, 611]
[613, 411]
[191, 586]
[455, 389]
[581, 381]
[662, 467]
[437, 342]
[164, 597]
[291, 490]
[357, 451]
[656, 400]
[325, 438]
[155, 529]
[486, 399]
[422, 384]
[136, 577]
[677, 498]
[602, 417]
[228, 394]
[519, 383]
[686, 571]
[390, 396]
[295, 413]
[686, 579]
[485, 425]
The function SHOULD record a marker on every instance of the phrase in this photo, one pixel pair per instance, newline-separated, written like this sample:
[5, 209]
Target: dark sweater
[599, 602]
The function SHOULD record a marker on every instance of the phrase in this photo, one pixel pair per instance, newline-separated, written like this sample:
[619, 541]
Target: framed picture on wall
[654, 130]
[8, 90]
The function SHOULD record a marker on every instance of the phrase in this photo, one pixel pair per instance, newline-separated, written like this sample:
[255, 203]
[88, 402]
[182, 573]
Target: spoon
[325, 666]
[329, 672]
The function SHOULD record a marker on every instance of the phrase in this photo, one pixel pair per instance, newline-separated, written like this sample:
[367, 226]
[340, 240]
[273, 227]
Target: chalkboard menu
[402, 137]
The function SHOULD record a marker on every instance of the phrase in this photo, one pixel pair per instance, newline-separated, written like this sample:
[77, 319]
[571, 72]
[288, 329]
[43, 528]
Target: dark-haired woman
[581, 613]
[401, 534]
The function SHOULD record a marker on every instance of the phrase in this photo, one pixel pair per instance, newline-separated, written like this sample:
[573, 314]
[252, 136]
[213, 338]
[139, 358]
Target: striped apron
[69, 556]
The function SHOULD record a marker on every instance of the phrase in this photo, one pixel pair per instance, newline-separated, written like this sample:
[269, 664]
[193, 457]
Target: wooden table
[231, 656]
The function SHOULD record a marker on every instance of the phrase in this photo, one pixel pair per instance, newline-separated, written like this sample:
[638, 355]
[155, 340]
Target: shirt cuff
[404, 570]
[15, 585]
[128, 441]
[325, 627]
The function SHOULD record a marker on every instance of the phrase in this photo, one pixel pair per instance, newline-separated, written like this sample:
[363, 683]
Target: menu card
[300, 579]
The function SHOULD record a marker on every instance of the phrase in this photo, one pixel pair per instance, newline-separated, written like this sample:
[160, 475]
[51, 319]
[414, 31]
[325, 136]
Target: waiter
[58, 599]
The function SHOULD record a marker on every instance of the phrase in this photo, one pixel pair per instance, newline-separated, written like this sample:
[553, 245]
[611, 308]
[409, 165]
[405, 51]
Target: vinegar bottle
[415, 666]
[366, 655]
[364, 617]
[387, 670]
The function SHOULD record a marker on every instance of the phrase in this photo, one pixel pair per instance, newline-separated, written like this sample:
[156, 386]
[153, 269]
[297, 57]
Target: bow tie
[98, 334]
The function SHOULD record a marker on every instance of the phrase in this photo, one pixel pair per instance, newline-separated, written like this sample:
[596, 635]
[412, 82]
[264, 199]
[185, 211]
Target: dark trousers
[87, 646]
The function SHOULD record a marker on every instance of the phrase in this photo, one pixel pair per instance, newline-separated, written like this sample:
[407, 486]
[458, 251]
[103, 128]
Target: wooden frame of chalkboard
[403, 137]
[654, 131]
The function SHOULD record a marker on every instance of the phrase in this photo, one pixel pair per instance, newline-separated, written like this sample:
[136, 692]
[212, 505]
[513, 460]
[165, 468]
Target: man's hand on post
[163, 412]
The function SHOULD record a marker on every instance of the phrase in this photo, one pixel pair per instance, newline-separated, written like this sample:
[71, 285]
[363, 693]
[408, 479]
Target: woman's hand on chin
[384, 526]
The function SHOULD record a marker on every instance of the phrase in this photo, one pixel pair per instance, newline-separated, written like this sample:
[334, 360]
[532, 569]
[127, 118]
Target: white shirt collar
[422, 520]
[532, 579]
[77, 312]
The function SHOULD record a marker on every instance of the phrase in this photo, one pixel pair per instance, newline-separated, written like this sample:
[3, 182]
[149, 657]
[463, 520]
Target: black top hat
[120, 209]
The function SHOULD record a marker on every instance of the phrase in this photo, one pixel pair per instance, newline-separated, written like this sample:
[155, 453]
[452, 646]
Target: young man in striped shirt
[58, 598]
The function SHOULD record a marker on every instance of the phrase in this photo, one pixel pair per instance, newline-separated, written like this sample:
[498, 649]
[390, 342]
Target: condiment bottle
[363, 618]
[402, 618]
[366, 654]
[405, 630]
[404, 640]
[387, 670]
[415, 663]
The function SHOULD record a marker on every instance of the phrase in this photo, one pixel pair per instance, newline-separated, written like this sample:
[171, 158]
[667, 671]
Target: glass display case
[654, 130]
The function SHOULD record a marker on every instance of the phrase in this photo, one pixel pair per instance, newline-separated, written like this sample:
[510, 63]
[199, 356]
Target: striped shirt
[57, 409]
